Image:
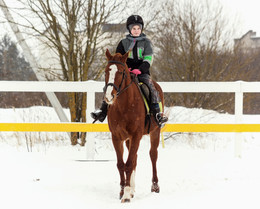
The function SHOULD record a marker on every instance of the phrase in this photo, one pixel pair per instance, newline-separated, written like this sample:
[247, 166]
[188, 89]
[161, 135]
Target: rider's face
[136, 30]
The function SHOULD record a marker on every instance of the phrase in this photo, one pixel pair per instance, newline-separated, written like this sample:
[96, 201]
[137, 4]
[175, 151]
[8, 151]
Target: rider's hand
[136, 71]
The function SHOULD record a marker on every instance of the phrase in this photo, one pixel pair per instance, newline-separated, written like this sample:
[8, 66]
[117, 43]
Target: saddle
[146, 95]
[145, 92]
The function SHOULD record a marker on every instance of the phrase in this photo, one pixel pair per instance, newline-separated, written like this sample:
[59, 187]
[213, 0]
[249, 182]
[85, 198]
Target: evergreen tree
[13, 66]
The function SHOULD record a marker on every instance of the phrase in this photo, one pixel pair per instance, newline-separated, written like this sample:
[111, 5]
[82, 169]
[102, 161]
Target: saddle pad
[146, 95]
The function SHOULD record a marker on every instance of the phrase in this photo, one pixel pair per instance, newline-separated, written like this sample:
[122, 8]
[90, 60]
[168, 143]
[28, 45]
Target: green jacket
[141, 52]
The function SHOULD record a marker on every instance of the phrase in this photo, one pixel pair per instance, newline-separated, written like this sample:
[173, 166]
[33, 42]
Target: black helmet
[134, 19]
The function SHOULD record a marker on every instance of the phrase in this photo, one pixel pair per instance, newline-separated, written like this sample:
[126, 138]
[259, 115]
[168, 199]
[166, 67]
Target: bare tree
[71, 34]
[71, 31]
[194, 43]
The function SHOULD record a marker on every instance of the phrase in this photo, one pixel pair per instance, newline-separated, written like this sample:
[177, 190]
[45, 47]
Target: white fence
[91, 87]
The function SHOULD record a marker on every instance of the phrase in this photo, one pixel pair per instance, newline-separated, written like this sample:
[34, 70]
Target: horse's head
[116, 71]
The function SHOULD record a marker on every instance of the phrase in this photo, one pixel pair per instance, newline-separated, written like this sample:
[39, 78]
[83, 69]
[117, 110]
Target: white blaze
[112, 75]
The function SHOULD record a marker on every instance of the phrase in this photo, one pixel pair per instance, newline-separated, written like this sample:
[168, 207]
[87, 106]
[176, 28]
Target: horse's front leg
[155, 139]
[130, 167]
[132, 179]
[119, 148]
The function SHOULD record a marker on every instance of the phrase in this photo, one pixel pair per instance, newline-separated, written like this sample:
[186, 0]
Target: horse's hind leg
[119, 148]
[155, 139]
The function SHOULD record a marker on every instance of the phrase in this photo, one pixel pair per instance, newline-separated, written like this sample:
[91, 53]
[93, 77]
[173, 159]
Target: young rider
[139, 61]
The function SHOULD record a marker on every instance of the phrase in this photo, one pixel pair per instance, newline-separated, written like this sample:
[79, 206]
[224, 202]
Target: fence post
[90, 145]
[238, 119]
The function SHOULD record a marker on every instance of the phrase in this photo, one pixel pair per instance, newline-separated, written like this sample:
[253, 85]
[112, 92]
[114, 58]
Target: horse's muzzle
[110, 91]
[110, 100]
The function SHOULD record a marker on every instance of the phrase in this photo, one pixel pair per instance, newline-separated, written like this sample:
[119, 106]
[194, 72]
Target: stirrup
[161, 119]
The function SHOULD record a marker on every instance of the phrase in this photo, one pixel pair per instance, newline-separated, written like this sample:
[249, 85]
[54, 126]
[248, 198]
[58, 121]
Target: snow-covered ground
[42, 170]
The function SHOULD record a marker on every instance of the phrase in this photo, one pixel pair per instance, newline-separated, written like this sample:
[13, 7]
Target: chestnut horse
[126, 120]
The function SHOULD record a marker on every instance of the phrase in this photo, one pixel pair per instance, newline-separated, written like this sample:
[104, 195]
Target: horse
[126, 120]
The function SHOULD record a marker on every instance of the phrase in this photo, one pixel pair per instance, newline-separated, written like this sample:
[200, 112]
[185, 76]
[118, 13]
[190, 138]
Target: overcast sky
[246, 12]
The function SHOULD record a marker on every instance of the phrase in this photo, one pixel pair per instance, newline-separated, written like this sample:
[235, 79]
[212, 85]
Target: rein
[118, 89]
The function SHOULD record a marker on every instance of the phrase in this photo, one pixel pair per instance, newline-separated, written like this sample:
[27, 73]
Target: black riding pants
[146, 79]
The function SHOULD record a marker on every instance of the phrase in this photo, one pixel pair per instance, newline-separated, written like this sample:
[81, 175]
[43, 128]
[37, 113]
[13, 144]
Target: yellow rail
[85, 127]
[54, 127]
[211, 128]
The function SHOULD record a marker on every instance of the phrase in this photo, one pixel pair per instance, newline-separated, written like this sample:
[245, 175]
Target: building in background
[249, 42]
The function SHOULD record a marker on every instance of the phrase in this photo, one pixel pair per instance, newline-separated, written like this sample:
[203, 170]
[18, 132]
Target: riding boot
[101, 113]
[158, 115]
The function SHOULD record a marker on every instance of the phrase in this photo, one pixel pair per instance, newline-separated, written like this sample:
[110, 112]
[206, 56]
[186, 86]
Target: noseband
[118, 89]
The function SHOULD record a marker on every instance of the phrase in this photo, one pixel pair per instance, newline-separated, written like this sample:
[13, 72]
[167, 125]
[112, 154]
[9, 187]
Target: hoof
[125, 200]
[155, 188]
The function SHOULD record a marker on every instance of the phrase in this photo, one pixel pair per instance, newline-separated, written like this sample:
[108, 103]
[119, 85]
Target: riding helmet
[134, 19]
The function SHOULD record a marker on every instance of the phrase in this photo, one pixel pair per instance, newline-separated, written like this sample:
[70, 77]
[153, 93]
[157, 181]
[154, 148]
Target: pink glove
[136, 71]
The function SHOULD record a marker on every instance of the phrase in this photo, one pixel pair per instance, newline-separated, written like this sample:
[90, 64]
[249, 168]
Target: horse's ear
[108, 55]
[125, 56]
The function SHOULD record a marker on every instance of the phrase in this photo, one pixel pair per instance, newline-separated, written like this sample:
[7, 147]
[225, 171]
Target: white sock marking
[127, 193]
[132, 182]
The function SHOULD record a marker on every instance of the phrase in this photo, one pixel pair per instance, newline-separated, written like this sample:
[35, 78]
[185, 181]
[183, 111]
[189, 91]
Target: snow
[42, 170]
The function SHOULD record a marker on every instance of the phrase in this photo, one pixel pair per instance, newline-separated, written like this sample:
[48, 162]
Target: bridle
[118, 88]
